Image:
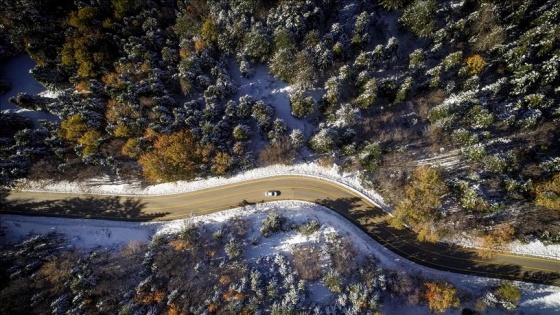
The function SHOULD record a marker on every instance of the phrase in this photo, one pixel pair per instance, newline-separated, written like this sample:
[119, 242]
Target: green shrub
[495, 164]
[370, 156]
[464, 137]
[332, 281]
[392, 4]
[474, 152]
[309, 228]
[480, 117]
[272, 224]
[508, 291]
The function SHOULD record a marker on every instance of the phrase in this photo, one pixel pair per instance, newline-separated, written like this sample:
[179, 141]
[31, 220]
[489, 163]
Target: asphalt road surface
[346, 202]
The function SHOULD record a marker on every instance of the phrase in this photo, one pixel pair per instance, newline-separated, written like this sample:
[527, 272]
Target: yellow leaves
[174, 156]
[419, 208]
[199, 45]
[222, 163]
[174, 309]
[440, 296]
[233, 294]
[497, 239]
[427, 187]
[73, 128]
[82, 18]
[209, 31]
[152, 297]
[225, 279]
[82, 87]
[132, 148]
[90, 141]
[475, 64]
[180, 245]
[122, 131]
[111, 79]
[548, 193]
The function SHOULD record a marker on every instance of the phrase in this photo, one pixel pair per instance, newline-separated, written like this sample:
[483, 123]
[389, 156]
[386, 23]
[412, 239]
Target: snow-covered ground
[535, 247]
[263, 86]
[100, 234]
[17, 71]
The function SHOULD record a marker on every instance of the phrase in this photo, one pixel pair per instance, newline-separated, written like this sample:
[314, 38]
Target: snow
[263, 86]
[95, 234]
[17, 71]
[533, 247]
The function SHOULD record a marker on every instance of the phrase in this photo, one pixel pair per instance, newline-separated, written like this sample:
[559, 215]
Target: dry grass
[307, 262]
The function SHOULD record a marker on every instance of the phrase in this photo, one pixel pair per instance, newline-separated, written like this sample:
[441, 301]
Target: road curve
[337, 197]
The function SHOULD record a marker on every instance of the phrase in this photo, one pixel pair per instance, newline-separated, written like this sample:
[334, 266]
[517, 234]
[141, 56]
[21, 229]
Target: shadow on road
[441, 256]
[83, 207]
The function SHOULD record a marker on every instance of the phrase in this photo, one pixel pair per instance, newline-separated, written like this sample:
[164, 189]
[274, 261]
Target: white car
[272, 193]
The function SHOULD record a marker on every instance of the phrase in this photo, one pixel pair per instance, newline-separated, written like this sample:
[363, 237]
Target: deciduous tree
[174, 156]
[440, 296]
[420, 207]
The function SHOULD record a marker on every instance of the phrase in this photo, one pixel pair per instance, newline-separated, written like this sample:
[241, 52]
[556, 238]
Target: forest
[230, 267]
[449, 109]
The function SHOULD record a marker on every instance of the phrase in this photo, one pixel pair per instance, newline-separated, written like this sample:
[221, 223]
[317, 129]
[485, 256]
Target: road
[366, 215]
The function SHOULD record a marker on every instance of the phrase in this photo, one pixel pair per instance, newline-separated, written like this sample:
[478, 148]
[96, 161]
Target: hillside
[279, 258]
[449, 109]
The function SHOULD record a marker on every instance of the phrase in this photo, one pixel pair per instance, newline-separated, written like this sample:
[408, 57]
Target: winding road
[347, 202]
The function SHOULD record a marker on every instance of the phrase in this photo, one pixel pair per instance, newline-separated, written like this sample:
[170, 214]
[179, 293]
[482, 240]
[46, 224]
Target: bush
[548, 193]
[309, 228]
[420, 207]
[452, 60]
[272, 224]
[392, 4]
[474, 152]
[323, 141]
[416, 59]
[500, 236]
[475, 64]
[508, 291]
[370, 156]
[234, 249]
[440, 296]
[332, 281]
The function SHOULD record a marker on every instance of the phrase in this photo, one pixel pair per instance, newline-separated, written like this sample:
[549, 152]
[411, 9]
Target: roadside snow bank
[533, 248]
